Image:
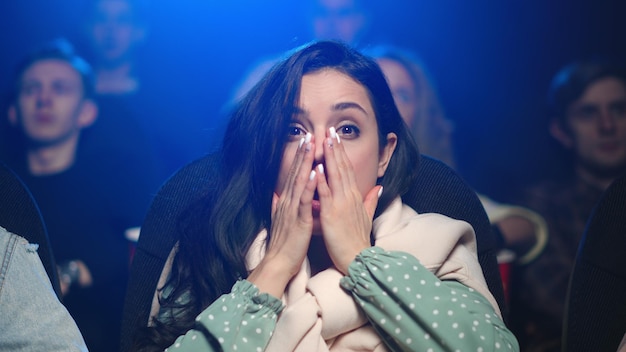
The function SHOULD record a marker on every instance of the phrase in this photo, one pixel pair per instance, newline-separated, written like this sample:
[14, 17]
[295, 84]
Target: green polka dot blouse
[408, 306]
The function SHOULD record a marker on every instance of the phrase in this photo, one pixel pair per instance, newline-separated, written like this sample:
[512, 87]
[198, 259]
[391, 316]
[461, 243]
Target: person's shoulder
[9, 250]
[434, 222]
[6, 238]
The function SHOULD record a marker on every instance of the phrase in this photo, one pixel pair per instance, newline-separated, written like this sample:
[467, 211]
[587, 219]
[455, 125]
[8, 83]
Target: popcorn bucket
[505, 259]
[132, 236]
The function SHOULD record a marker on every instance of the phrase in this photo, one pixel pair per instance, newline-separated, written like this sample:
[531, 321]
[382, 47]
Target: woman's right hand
[292, 224]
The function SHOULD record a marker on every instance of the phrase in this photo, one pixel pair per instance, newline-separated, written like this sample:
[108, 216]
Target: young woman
[518, 229]
[305, 245]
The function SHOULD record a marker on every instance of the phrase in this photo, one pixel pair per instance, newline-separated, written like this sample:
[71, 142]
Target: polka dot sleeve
[241, 320]
[415, 311]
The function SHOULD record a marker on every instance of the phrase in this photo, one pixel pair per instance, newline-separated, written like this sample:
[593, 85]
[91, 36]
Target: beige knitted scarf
[321, 316]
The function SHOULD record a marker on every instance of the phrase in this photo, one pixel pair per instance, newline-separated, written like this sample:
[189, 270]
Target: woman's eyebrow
[298, 111]
[348, 105]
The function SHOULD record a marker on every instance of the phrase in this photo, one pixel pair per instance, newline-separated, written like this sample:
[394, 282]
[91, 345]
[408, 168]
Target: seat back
[437, 189]
[595, 311]
[20, 215]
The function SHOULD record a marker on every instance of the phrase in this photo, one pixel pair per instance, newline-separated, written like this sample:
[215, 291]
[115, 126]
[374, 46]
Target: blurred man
[348, 21]
[116, 29]
[52, 105]
[588, 118]
[154, 118]
[88, 200]
[344, 20]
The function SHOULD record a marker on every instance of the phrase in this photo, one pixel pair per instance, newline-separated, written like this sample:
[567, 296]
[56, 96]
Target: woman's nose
[319, 148]
[320, 139]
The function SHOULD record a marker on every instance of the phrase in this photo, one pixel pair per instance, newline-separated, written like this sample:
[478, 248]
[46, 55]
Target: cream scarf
[320, 316]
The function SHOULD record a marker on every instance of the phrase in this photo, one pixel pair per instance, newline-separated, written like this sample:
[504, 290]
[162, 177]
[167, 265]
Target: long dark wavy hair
[217, 232]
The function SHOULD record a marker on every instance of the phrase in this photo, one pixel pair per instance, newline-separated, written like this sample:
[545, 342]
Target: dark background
[492, 61]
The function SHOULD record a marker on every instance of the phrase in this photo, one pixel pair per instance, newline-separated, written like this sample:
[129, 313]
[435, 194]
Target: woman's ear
[88, 113]
[387, 153]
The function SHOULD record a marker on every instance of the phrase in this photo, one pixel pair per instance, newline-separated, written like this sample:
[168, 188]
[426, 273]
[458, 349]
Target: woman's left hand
[346, 218]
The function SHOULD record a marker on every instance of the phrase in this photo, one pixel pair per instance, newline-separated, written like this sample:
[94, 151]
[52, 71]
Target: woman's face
[402, 87]
[329, 98]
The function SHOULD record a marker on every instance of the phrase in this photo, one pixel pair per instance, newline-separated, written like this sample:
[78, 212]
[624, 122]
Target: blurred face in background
[402, 87]
[50, 107]
[596, 126]
[343, 20]
[114, 31]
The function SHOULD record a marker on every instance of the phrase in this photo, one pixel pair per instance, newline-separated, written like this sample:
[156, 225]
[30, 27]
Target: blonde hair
[430, 127]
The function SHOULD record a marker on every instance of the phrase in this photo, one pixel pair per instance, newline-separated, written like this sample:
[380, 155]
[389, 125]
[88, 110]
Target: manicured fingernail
[307, 138]
[301, 143]
[333, 133]
[320, 167]
[380, 191]
[338, 140]
[312, 175]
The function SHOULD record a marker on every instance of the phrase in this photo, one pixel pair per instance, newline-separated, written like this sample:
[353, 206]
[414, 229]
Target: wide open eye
[348, 131]
[295, 132]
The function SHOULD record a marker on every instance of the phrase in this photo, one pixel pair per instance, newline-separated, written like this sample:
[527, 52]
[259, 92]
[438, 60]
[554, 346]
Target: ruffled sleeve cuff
[371, 262]
[250, 292]
[244, 317]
